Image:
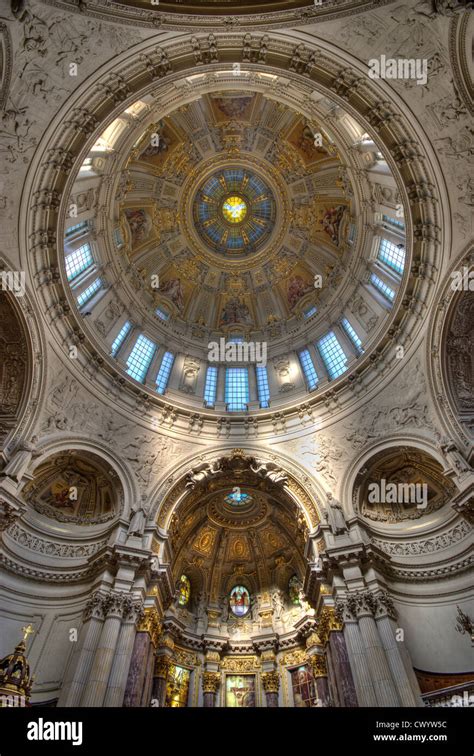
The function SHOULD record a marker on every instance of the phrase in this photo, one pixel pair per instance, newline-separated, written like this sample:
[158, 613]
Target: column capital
[319, 666]
[365, 603]
[271, 682]
[330, 620]
[210, 682]
[162, 664]
[149, 622]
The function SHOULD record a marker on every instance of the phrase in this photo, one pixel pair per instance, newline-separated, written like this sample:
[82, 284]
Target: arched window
[184, 590]
[239, 600]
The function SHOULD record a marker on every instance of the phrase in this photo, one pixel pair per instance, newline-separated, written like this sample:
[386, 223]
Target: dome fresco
[237, 217]
[234, 212]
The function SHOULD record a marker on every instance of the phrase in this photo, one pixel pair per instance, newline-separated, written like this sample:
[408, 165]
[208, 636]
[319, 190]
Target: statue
[270, 471]
[201, 605]
[201, 473]
[277, 604]
[23, 454]
[225, 608]
[453, 455]
[335, 515]
[138, 521]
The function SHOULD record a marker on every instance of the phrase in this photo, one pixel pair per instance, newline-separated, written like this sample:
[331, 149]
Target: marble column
[83, 656]
[118, 676]
[320, 674]
[382, 680]
[342, 669]
[359, 665]
[210, 686]
[138, 670]
[406, 685]
[159, 680]
[271, 686]
[96, 688]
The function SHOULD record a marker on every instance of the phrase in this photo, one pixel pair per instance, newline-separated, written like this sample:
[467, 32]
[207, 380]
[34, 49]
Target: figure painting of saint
[304, 690]
[240, 691]
[239, 600]
[331, 222]
[234, 312]
[139, 224]
[173, 289]
[296, 289]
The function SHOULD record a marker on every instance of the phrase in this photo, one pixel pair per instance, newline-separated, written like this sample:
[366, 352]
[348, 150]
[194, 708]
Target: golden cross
[27, 630]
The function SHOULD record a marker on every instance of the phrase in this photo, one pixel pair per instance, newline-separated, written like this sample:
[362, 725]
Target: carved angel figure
[138, 521]
[271, 471]
[201, 473]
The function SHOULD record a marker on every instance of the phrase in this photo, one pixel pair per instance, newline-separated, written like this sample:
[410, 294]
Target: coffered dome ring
[51, 183]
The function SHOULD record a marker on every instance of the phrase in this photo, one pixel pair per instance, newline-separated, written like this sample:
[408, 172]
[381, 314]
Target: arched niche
[14, 365]
[399, 484]
[76, 487]
[458, 356]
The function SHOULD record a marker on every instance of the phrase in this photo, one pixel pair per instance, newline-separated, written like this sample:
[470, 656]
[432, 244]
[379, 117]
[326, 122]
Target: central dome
[234, 212]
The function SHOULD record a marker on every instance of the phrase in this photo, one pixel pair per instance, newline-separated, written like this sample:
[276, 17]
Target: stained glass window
[332, 354]
[238, 497]
[184, 590]
[294, 587]
[239, 600]
[240, 691]
[304, 689]
[177, 687]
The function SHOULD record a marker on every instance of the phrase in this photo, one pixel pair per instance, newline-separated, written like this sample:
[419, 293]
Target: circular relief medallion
[234, 212]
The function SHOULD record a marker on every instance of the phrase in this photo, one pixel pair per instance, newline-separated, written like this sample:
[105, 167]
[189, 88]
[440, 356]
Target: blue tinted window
[308, 369]
[120, 338]
[164, 372]
[210, 389]
[236, 389]
[263, 387]
[140, 358]
[332, 354]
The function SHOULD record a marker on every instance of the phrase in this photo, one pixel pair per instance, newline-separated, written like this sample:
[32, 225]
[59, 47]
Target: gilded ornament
[210, 682]
[150, 623]
[271, 682]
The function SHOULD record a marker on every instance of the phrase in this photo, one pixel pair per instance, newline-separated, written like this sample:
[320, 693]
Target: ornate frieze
[271, 682]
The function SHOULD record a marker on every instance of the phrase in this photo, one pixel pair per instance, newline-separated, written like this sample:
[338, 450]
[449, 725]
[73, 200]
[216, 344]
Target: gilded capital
[162, 664]
[150, 623]
[271, 682]
[328, 622]
[210, 682]
[319, 666]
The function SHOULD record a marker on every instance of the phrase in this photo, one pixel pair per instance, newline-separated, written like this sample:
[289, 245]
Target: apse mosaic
[240, 691]
[234, 212]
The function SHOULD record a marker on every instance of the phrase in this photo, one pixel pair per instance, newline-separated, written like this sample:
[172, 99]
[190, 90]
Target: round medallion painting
[239, 600]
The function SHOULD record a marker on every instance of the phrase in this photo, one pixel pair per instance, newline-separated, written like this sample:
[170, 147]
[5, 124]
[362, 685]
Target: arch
[22, 367]
[128, 486]
[169, 493]
[455, 424]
